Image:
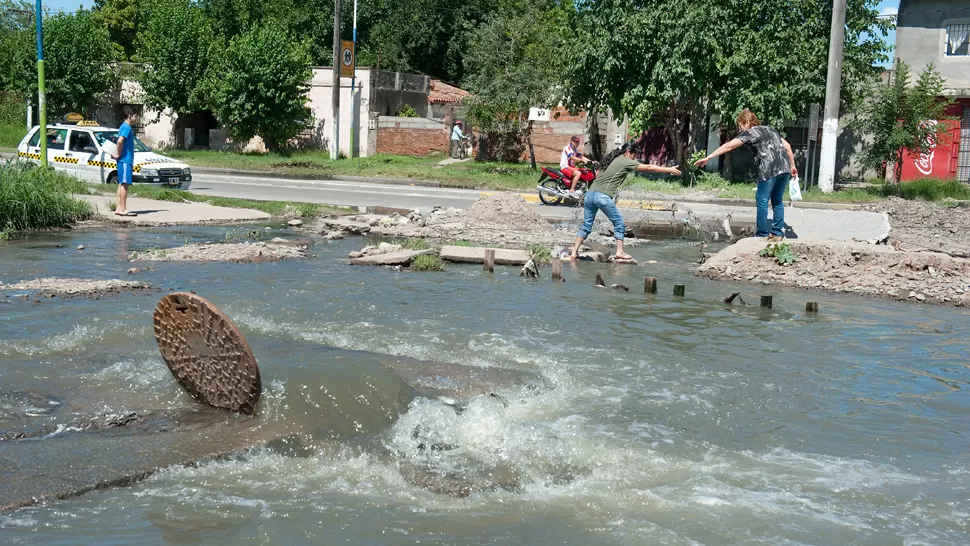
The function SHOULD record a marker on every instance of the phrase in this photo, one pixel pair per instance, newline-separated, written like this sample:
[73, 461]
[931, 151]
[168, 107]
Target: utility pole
[41, 99]
[353, 92]
[335, 140]
[833, 88]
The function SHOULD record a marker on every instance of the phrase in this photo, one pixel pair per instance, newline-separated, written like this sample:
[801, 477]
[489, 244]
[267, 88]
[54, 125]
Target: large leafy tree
[78, 53]
[901, 118]
[660, 61]
[179, 60]
[121, 19]
[512, 64]
[257, 88]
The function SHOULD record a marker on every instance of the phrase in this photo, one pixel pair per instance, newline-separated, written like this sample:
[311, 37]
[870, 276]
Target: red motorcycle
[554, 186]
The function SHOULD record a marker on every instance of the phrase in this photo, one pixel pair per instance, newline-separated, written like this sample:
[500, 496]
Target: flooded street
[618, 418]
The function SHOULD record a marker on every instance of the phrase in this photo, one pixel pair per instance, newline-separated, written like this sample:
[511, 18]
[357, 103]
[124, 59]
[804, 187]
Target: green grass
[11, 134]
[428, 262]
[33, 197]
[470, 174]
[276, 208]
[411, 244]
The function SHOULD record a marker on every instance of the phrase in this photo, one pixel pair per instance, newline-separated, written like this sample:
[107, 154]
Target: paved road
[408, 197]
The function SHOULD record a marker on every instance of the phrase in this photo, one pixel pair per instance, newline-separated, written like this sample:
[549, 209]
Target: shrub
[412, 244]
[540, 254]
[781, 252]
[406, 111]
[428, 262]
[33, 197]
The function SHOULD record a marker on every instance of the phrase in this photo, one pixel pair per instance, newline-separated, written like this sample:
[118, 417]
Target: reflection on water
[655, 421]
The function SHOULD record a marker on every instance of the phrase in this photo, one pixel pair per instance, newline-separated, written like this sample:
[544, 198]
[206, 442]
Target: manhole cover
[207, 353]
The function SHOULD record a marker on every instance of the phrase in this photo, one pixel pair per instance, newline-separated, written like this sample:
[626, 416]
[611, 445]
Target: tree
[663, 60]
[120, 18]
[179, 60]
[259, 86]
[512, 65]
[78, 54]
[900, 119]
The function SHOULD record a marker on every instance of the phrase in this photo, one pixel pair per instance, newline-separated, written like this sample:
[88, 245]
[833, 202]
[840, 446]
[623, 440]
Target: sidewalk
[166, 213]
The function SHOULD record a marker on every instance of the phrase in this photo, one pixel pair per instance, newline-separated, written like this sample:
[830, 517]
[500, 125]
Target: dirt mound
[875, 270]
[225, 252]
[77, 287]
[919, 225]
[505, 211]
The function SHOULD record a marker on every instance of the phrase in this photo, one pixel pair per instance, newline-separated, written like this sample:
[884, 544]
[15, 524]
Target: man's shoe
[775, 238]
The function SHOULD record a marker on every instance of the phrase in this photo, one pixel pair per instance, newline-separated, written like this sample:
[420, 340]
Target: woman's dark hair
[626, 147]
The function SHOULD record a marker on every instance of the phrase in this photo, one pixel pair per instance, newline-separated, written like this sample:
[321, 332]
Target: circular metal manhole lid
[206, 353]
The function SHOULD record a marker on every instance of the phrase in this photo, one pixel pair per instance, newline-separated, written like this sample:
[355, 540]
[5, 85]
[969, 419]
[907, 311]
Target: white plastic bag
[794, 190]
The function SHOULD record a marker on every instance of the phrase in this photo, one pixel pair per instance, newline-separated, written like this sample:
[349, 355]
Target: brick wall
[411, 136]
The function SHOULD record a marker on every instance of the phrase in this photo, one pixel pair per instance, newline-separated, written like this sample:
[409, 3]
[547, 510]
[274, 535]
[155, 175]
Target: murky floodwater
[656, 421]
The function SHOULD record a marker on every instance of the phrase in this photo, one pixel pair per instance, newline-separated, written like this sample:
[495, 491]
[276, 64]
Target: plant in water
[7, 232]
[411, 244]
[781, 252]
[243, 235]
[540, 254]
[428, 262]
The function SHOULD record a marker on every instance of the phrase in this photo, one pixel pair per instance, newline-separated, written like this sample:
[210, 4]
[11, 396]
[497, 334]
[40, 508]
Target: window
[112, 135]
[958, 40]
[35, 140]
[81, 140]
[56, 139]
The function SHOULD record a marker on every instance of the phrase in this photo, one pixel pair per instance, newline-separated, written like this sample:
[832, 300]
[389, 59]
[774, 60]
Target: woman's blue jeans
[772, 189]
[596, 201]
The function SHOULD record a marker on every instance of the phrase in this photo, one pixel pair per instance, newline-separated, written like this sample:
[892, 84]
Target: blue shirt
[127, 151]
[456, 133]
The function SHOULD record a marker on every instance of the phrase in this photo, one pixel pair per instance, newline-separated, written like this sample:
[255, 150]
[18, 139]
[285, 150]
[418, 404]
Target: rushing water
[659, 421]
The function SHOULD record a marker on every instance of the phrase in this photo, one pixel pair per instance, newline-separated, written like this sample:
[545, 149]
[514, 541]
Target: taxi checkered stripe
[72, 160]
[137, 168]
[106, 164]
[29, 156]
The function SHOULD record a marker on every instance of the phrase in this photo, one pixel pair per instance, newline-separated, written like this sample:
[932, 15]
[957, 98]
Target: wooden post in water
[680, 290]
[489, 260]
[766, 302]
[811, 307]
[650, 285]
[557, 270]
[600, 283]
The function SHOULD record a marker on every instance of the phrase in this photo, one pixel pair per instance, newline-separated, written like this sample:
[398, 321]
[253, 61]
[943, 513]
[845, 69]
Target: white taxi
[84, 150]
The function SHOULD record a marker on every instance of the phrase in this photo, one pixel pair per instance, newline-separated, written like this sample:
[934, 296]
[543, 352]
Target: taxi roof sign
[87, 123]
[73, 117]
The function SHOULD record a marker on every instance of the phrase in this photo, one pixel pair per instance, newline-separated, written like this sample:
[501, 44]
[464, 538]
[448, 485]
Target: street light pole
[833, 88]
[41, 99]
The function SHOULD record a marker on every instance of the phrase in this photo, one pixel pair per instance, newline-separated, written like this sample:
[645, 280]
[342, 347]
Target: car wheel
[112, 178]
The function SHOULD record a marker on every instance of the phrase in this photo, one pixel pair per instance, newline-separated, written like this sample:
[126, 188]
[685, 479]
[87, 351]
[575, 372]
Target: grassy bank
[11, 134]
[36, 198]
[470, 174]
[276, 208]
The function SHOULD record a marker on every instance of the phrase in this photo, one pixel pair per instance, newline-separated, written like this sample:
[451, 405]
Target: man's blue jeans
[772, 189]
[595, 202]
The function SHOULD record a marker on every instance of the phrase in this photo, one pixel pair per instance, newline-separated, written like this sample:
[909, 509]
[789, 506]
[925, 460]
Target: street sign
[538, 114]
[346, 59]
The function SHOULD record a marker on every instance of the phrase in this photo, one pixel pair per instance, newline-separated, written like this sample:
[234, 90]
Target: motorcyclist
[569, 162]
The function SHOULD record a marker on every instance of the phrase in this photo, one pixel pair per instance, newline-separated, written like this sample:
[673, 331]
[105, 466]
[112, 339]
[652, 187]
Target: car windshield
[112, 135]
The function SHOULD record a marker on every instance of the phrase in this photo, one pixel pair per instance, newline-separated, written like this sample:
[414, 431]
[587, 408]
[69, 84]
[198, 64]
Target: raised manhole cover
[207, 353]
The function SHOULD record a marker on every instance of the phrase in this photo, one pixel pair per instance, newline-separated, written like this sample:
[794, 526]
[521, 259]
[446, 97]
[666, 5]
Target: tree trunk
[532, 150]
[728, 167]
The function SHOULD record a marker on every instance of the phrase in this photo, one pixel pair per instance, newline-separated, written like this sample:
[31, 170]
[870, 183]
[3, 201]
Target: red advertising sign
[941, 162]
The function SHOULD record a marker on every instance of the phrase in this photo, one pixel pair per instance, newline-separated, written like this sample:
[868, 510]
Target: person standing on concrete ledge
[776, 167]
[614, 173]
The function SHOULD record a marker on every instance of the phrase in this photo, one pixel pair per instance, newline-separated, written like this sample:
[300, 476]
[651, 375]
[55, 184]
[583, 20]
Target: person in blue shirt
[125, 156]
[456, 139]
